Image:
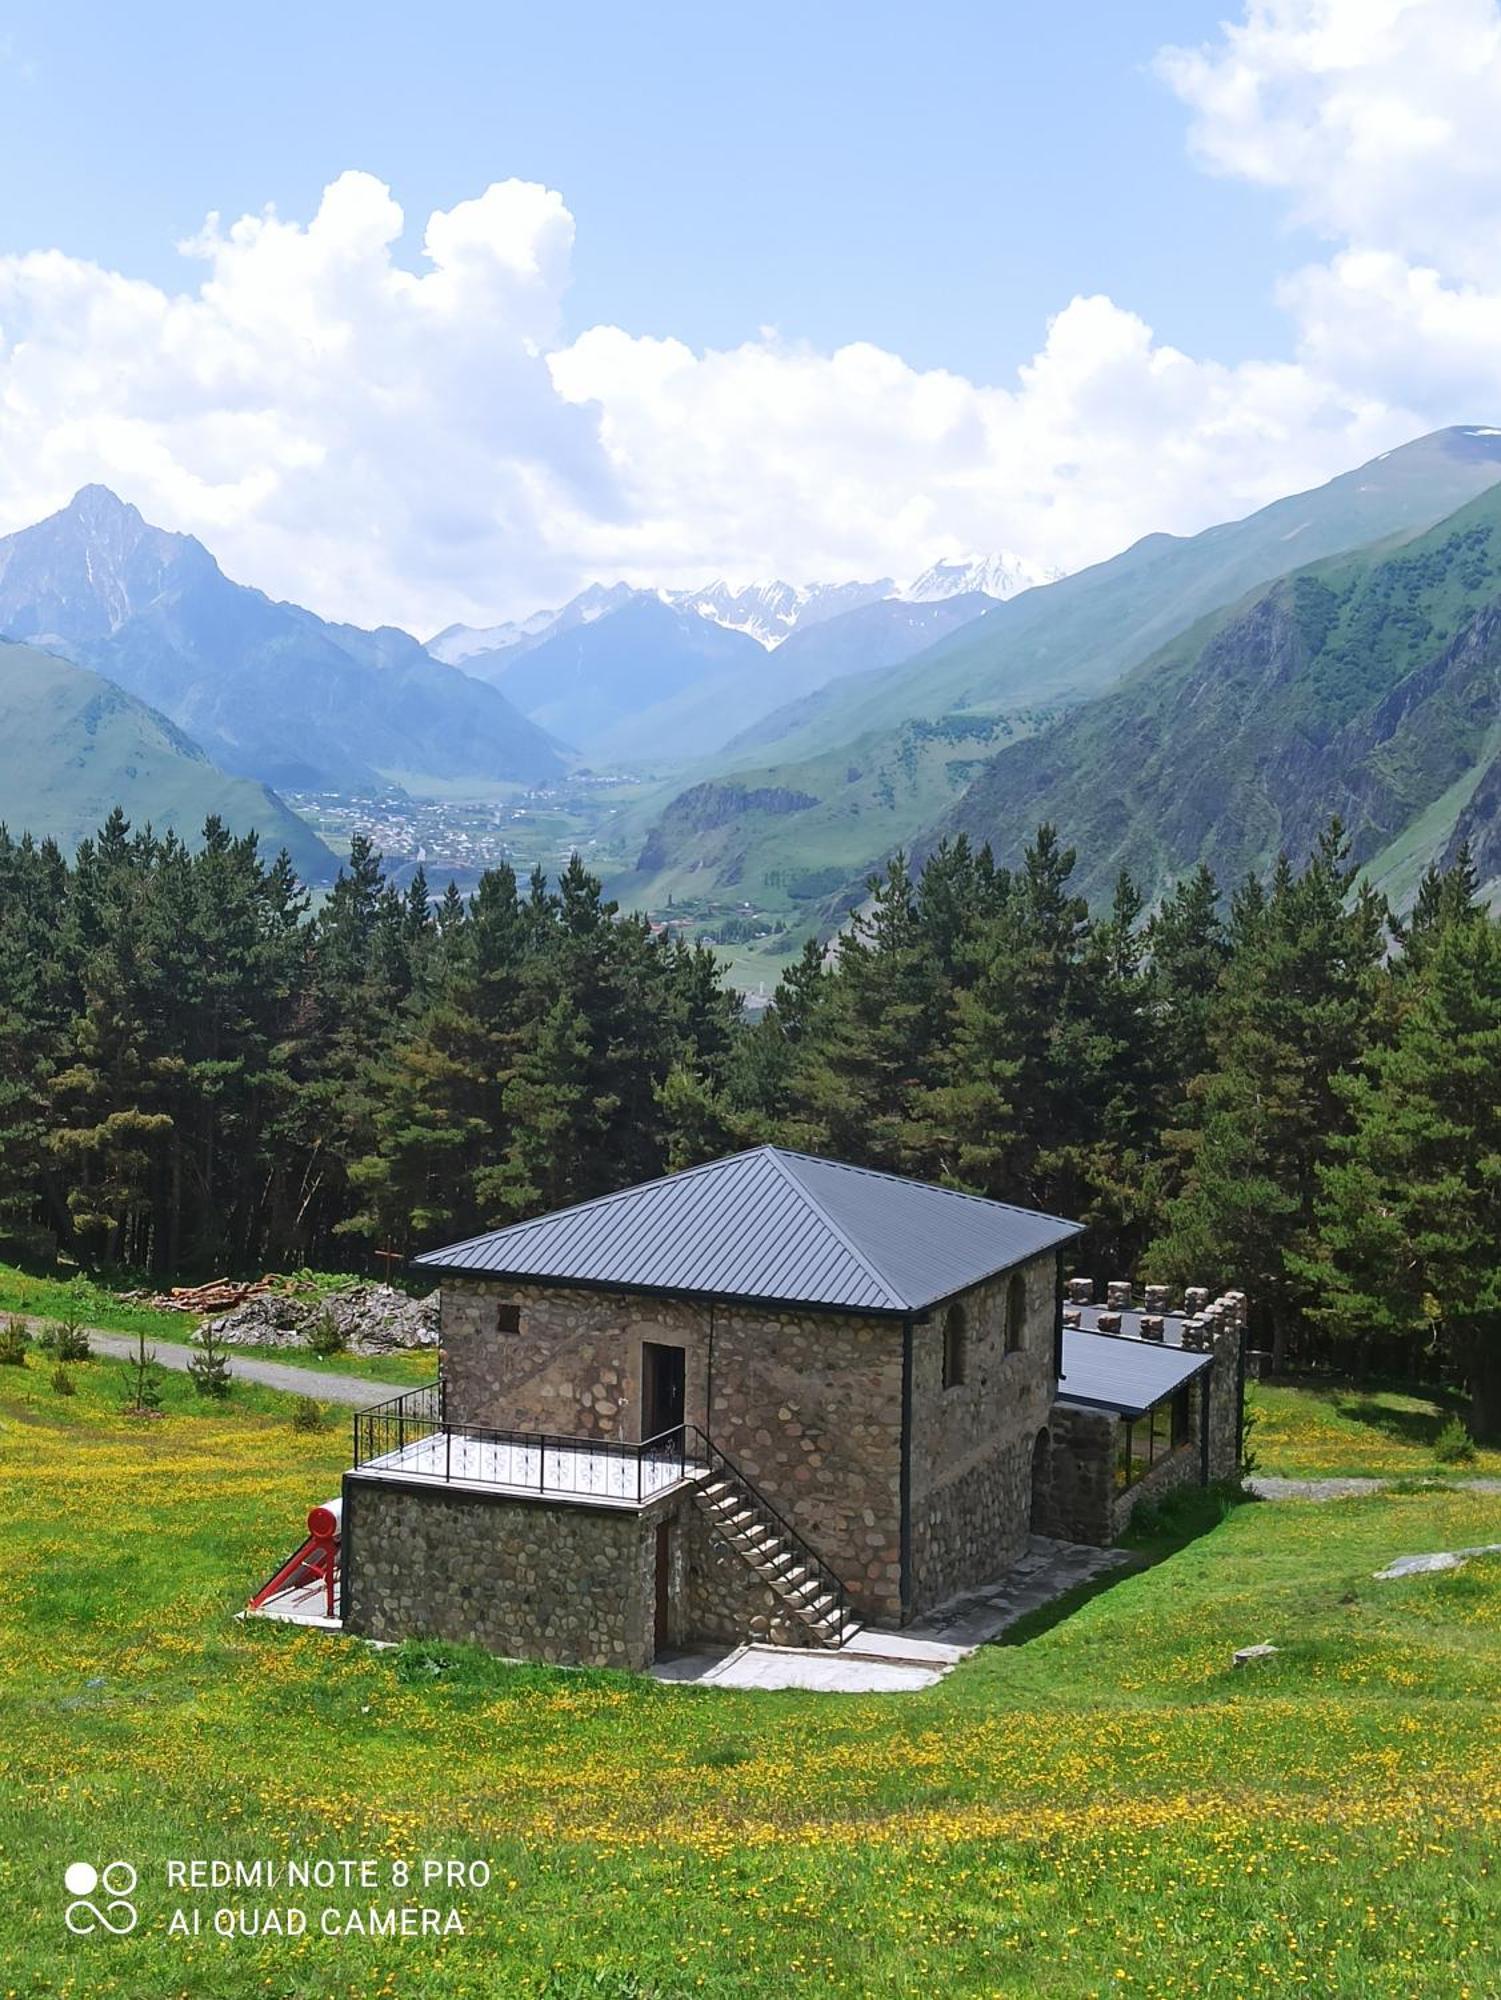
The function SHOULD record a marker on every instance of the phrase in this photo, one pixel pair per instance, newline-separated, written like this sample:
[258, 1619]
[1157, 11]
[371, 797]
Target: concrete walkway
[1268, 1488]
[315, 1382]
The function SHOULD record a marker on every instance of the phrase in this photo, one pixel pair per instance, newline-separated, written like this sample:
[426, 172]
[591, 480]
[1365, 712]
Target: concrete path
[1268, 1488]
[326, 1388]
[1048, 1571]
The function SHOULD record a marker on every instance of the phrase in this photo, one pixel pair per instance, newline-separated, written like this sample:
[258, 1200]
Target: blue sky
[503, 301]
[933, 180]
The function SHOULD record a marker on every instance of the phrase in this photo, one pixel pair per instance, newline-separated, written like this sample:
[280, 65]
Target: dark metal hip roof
[774, 1226]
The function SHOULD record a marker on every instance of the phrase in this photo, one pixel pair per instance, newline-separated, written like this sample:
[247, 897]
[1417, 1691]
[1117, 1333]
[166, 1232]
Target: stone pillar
[1154, 1299]
[1109, 1322]
[1080, 1291]
[1070, 1315]
[1193, 1333]
[1195, 1298]
[1151, 1326]
[1118, 1294]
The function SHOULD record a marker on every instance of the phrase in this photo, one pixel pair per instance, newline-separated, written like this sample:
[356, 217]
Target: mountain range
[1369, 685]
[1015, 669]
[268, 690]
[650, 678]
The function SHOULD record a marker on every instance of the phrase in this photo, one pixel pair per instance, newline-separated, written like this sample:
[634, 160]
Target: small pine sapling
[209, 1365]
[144, 1397]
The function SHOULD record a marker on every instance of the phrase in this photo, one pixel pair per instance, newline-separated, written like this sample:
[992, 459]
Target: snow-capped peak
[771, 611]
[999, 576]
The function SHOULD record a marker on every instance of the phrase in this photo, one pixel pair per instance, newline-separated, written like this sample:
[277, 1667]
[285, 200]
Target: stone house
[773, 1397]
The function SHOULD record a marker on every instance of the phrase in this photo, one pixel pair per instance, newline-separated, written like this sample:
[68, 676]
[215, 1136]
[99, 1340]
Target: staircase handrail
[809, 1556]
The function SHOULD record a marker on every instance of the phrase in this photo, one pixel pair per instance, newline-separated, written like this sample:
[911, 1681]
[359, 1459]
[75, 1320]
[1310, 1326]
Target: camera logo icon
[117, 1879]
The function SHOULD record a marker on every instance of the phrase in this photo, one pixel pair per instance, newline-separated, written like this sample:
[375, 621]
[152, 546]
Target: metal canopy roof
[771, 1225]
[1128, 1376]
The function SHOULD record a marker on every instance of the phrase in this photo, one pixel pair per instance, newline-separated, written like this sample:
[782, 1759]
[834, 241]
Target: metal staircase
[810, 1592]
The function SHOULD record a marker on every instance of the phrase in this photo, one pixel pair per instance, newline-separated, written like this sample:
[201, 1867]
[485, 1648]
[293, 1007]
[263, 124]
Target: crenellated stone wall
[1083, 1503]
[972, 1443]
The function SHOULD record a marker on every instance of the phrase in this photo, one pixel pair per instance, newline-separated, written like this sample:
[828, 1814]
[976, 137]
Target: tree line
[1288, 1090]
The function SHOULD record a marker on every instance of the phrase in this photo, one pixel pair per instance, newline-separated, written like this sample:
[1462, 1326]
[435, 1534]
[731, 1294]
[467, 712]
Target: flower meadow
[1104, 1808]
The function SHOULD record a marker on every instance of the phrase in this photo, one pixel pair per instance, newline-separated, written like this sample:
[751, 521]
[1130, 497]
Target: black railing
[756, 1502]
[409, 1438]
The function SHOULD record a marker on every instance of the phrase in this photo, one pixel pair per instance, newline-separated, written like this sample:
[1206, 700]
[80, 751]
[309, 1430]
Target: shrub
[62, 1382]
[307, 1415]
[1454, 1445]
[72, 1340]
[325, 1335]
[13, 1343]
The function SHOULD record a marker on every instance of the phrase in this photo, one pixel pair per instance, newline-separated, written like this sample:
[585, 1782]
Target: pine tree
[1410, 1206]
[1294, 1013]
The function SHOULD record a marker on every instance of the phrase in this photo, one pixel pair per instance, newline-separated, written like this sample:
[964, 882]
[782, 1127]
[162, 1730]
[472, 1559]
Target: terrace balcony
[409, 1438]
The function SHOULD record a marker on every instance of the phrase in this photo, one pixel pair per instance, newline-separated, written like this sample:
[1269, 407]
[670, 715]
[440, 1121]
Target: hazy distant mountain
[629, 676]
[73, 746]
[267, 689]
[770, 612]
[999, 577]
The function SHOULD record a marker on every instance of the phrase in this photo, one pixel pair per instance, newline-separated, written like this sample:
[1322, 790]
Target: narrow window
[508, 1319]
[955, 1333]
[1016, 1312]
[1182, 1415]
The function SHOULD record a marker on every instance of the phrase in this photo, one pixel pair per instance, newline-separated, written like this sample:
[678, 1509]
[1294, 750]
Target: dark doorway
[662, 1380]
[664, 1586]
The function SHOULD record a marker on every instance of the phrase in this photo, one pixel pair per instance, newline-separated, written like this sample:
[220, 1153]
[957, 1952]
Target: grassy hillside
[1102, 1806]
[1367, 685]
[787, 838]
[1072, 638]
[73, 745]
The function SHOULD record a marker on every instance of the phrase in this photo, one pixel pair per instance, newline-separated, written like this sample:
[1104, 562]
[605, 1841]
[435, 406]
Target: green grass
[1107, 1808]
[1321, 1430]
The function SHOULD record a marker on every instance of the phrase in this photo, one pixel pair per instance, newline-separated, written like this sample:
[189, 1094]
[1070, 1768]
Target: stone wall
[807, 1405]
[972, 1443]
[574, 1367]
[573, 1585]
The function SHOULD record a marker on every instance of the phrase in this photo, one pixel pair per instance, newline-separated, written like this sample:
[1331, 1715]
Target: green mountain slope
[788, 837]
[1070, 639]
[73, 745]
[1368, 685]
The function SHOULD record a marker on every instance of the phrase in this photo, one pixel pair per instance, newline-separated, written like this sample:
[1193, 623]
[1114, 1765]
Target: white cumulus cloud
[416, 440]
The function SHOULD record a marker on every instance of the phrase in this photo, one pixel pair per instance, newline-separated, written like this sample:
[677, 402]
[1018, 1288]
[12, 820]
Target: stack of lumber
[220, 1294]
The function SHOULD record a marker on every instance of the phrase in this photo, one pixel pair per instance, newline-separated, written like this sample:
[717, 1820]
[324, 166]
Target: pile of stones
[371, 1318]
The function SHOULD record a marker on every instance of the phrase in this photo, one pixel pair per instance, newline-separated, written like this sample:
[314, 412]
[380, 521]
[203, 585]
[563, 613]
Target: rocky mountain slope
[269, 690]
[1368, 685]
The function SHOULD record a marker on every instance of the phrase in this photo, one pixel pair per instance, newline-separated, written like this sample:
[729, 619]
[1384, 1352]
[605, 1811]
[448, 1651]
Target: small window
[508, 1319]
[955, 1337]
[1016, 1312]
